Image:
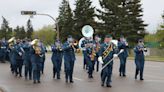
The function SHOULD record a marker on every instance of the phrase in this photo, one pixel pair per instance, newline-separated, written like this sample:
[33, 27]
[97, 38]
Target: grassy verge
[147, 58]
[151, 58]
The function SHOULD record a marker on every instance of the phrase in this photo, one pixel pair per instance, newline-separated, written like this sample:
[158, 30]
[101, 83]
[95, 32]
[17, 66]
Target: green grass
[151, 58]
[147, 58]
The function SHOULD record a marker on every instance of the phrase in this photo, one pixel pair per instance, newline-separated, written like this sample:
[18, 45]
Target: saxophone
[93, 54]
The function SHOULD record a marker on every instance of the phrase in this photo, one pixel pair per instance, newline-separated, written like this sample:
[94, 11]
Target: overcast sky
[10, 9]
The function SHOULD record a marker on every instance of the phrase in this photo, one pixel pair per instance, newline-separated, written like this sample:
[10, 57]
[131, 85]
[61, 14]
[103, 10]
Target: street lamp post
[32, 13]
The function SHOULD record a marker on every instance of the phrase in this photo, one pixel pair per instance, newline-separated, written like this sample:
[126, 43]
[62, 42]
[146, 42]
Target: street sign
[28, 12]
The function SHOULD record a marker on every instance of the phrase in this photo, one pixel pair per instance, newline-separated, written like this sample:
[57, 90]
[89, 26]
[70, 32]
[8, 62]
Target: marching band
[31, 54]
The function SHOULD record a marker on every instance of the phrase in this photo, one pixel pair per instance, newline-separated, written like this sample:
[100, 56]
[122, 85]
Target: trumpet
[71, 44]
[36, 47]
[142, 48]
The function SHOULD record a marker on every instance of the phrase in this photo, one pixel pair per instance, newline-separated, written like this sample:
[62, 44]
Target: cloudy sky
[10, 9]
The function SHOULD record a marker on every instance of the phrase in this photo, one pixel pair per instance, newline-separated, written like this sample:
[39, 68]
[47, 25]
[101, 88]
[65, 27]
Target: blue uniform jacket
[139, 55]
[27, 55]
[19, 52]
[57, 54]
[110, 55]
[68, 52]
[123, 46]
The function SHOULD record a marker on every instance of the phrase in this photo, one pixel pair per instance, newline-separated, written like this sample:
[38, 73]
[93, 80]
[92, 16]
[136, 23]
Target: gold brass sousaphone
[87, 31]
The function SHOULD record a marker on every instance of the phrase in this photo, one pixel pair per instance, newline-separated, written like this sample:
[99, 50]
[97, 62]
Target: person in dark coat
[139, 58]
[69, 58]
[122, 44]
[27, 59]
[107, 51]
[57, 58]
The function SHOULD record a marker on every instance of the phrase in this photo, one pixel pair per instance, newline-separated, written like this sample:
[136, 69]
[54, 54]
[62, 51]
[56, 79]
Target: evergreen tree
[122, 17]
[84, 15]
[5, 31]
[16, 32]
[29, 29]
[65, 20]
[137, 30]
[22, 33]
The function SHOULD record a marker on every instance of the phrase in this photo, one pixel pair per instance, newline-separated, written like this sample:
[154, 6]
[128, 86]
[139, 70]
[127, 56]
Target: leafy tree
[45, 34]
[160, 33]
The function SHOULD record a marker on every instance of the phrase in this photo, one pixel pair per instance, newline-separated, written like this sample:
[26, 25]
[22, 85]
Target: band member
[140, 58]
[3, 50]
[90, 56]
[19, 57]
[44, 50]
[106, 53]
[84, 42]
[11, 50]
[69, 58]
[27, 59]
[57, 58]
[122, 44]
[97, 44]
[36, 59]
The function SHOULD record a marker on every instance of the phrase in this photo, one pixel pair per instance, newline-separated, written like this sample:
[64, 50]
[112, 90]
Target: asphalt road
[153, 75]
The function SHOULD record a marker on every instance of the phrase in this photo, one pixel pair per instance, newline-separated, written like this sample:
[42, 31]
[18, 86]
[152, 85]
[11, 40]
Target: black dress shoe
[141, 79]
[124, 75]
[102, 84]
[53, 76]
[58, 78]
[135, 77]
[20, 75]
[71, 81]
[38, 81]
[120, 74]
[108, 86]
[34, 82]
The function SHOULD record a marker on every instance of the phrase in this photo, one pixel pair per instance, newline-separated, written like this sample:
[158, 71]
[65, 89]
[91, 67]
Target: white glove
[20, 54]
[122, 50]
[115, 55]
[100, 60]
[145, 48]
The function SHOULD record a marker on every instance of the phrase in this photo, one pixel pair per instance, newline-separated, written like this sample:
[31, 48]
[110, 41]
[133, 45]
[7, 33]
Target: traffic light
[28, 12]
